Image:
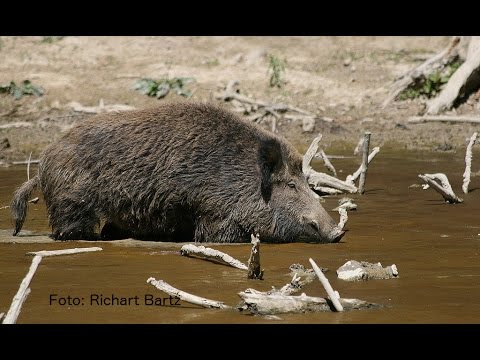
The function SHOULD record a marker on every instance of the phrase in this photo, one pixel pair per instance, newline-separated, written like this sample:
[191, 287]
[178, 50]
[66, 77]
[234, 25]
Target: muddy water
[435, 246]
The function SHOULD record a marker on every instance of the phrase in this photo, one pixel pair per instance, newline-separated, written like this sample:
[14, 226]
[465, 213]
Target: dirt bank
[340, 78]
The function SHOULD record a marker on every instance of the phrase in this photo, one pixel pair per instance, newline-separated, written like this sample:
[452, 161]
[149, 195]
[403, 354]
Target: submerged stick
[331, 293]
[443, 188]
[262, 304]
[352, 178]
[254, 270]
[327, 190]
[343, 217]
[184, 296]
[319, 180]
[22, 293]
[468, 163]
[363, 174]
[327, 163]
[44, 253]
[204, 253]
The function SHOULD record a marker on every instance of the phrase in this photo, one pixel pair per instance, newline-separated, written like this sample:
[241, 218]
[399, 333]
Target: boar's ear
[270, 159]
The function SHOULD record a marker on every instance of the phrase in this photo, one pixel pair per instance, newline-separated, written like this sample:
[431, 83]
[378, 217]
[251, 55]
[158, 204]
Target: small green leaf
[162, 91]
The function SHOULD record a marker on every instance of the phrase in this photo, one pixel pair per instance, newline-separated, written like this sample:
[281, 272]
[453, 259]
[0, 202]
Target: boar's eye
[291, 184]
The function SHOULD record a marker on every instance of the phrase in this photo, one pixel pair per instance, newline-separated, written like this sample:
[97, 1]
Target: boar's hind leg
[110, 231]
[71, 220]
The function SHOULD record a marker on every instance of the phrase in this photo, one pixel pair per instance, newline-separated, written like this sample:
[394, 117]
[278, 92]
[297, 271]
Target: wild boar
[180, 171]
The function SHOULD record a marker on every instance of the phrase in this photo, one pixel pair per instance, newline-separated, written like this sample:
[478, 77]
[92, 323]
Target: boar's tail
[19, 203]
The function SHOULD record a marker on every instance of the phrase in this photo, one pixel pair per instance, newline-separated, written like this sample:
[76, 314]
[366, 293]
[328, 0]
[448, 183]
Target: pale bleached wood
[45, 253]
[468, 163]
[309, 154]
[432, 64]
[184, 296]
[327, 163]
[25, 162]
[22, 293]
[354, 270]
[463, 80]
[343, 217]
[334, 297]
[262, 304]
[352, 178]
[346, 203]
[363, 173]
[204, 253]
[15, 125]
[101, 108]
[318, 180]
[327, 190]
[254, 269]
[28, 166]
[444, 118]
[443, 188]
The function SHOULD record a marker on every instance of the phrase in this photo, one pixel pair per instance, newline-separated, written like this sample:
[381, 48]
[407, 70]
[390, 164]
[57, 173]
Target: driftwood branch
[254, 269]
[15, 125]
[204, 253]
[318, 180]
[25, 162]
[343, 217]
[346, 203]
[22, 293]
[334, 296]
[327, 190]
[309, 154]
[327, 163]
[363, 172]
[45, 253]
[444, 118]
[261, 304]
[462, 82]
[354, 270]
[184, 296]
[443, 187]
[435, 63]
[260, 109]
[101, 108]
[468, 163]
[352, 178]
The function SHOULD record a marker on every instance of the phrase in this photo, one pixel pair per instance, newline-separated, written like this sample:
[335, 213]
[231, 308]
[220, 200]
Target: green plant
[27, 88]
[212, 62]
[276, 68]
[51, 39]
[162, 87]
[431, 85]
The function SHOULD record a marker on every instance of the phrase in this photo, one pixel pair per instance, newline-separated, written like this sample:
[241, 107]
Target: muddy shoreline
[344, 79]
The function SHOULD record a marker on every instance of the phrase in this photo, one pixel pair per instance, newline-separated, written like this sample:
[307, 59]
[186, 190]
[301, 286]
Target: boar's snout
[331, 233]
